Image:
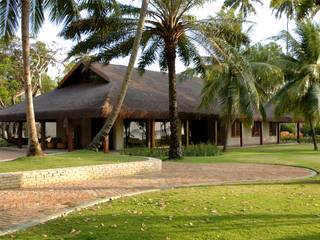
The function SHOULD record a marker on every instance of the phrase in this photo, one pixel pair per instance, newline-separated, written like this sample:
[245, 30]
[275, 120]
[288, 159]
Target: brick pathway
[23, 205]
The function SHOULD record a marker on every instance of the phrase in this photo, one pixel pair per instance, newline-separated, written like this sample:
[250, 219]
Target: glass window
[235, 129]
[272, 129]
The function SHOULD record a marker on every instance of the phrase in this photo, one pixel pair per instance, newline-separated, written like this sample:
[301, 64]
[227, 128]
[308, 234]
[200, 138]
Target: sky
[265, 26]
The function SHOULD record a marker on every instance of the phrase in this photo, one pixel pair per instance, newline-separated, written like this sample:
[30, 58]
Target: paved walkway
[24, 205]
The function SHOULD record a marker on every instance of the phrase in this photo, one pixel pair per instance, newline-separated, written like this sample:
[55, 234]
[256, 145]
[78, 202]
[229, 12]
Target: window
[235, 129]
[272, 129]
[256, 129]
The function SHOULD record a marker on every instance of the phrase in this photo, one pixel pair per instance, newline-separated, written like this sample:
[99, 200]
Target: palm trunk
[175, 147]
[104, 132]
[33, 144]
[226, 136]
[313, 134]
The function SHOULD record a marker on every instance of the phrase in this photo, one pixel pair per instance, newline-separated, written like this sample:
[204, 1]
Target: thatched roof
[90, 91]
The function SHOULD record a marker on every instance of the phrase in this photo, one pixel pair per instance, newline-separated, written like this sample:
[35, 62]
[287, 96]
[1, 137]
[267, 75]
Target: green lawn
[72, 159]
[278, 211]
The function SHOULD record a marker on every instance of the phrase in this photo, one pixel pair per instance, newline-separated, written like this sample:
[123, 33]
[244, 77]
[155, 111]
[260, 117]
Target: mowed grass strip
[260, 212]
[71, 159]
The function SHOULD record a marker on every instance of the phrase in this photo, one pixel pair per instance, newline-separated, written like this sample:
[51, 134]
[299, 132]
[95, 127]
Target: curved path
[25, 207]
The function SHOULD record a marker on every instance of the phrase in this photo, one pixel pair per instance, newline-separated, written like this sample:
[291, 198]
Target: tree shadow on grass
[93, 224]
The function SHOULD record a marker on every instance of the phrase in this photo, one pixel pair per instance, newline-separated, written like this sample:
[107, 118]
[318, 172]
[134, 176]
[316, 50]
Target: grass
[72, 159]
[278, 211]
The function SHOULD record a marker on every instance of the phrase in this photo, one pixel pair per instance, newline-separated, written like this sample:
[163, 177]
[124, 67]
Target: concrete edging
[41, 178]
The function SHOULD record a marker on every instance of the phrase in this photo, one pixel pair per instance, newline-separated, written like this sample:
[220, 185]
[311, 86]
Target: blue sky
[265, 26]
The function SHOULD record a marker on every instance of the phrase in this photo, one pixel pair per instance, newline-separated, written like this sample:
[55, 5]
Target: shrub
[4, 143]
[192, 150]
[288, 127]
[201, 150]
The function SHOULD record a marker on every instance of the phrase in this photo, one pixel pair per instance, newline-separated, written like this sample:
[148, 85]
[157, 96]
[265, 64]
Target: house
[79, 106]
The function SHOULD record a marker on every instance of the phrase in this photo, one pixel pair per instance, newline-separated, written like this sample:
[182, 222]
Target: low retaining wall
[41, 178]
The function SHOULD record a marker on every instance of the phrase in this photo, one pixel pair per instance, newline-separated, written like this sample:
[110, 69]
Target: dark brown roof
[90, 91]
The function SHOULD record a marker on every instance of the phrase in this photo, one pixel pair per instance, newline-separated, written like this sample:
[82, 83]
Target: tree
[301, 93]
[31, 14]
[11, 70]
[170, 33]
[235, 82]
[104, 132]
[284, 7]
[244, 6]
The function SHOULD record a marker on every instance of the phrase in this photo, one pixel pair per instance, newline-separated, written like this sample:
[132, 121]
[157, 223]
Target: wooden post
[20, 140]
[216, 132]
[43, 135]
[180, 132]
[298, 132]
[187, 132]
[150, 127]
[278, 132]
[70, 135]
[105, 144]
[261, 134]
[241, 137]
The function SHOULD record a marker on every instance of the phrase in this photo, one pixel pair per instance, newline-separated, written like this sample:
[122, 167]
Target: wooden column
[43, 135]
[298, 132]
[278, 132]
[20, 139]
[150, 133]
[70, 135]
[180, 132]
[241, 136]
[105, 144]
[216, 132]
[261, 134]
[187, 132]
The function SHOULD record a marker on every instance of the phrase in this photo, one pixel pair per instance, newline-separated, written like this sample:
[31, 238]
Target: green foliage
[288, 127]
[11, 70]
[203, 150]
[301, 93]
[4, 143]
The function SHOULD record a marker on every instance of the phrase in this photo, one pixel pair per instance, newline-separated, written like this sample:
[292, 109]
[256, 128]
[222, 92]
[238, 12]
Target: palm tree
[245, 6]
[104, 132]
[169, 33]
[236, 81]
[287, 7]
[301, 94]
[31, 14]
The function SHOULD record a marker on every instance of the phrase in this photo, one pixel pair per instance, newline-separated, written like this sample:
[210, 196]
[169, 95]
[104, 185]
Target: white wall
[249, 140]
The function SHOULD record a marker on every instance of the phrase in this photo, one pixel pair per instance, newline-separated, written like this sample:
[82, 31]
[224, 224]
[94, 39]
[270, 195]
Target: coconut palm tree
[31, 15]
[104, 132]
[244, 6]
[286, 7]
[301, 94]
[236, 82]
[170, 33]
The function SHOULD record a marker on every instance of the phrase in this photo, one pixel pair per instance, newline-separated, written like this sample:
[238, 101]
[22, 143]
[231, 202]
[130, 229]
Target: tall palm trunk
[226, 135]
[104, 132]
[33, 145]
[175, 148]
[313, 133]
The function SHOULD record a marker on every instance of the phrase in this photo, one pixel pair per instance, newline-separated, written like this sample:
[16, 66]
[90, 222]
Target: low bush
[162, 153]
[4, 143]
[288, 127]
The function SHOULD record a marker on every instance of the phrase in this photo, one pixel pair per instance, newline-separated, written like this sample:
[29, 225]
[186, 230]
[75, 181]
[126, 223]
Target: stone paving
[21, 206]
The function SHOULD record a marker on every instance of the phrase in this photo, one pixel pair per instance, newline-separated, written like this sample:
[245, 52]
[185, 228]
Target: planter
[61, 145]
[50, 145]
